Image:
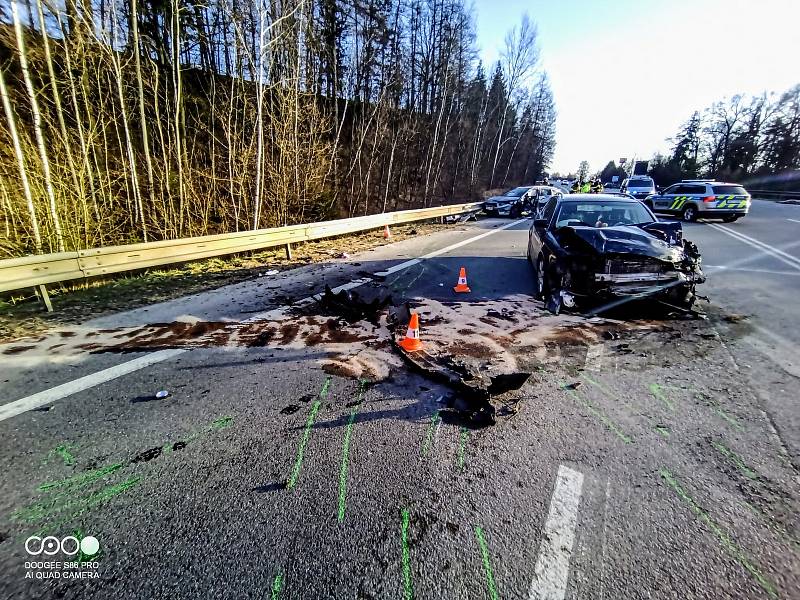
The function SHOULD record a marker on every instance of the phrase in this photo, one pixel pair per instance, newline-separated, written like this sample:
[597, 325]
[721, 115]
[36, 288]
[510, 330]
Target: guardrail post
[288, 252]
[45, 297]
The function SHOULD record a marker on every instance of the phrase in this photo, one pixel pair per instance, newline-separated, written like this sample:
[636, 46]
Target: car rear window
[730, 189]
[640, 183]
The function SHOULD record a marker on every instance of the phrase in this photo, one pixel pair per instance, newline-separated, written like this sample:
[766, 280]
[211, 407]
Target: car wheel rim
[689, 214]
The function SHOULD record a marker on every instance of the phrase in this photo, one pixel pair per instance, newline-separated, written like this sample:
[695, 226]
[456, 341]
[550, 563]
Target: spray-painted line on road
[734, 458]
[312, 415]
[487, 566]
[346, 451]
[551, 572]
[427, 441]
[59, 392]
[408, 590]
[277, 586]
[462, 445]
[724, 539]
[597, 413]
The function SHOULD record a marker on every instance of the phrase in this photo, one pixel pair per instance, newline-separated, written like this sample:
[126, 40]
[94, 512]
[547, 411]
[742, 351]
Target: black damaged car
[598, 250]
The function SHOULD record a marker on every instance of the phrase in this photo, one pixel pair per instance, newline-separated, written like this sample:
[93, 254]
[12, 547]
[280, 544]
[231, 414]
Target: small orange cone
[411, 342]
[387, 235]
[462, 282]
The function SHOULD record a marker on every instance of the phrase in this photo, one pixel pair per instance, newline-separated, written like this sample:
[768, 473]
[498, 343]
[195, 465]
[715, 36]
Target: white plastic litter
[162, 394]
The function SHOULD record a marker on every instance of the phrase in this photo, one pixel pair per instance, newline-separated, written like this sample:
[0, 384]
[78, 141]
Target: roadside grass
[22, 315]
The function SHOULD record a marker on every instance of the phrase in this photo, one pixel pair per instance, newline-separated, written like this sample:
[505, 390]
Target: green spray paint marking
[735, 459]
[63, 452]
[53, 505]
[221, 423]
[81, 479]
[487, 567]
[656, 390]
[606, 421]
[714, 404]
[776, 527]
[408, 591]
[426, 445]
[298, 464]
[722, 536]
[662, 431]
[277, 584]
[346, 451]
[462, 443]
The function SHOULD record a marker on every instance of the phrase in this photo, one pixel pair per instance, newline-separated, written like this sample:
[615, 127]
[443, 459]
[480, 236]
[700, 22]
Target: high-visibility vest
[586, 188]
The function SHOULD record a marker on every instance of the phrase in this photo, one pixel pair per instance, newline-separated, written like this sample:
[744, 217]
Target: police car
[702, 198]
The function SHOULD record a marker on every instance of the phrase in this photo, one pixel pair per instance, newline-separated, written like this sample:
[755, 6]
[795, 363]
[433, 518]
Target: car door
[536, 233]
[666, 198]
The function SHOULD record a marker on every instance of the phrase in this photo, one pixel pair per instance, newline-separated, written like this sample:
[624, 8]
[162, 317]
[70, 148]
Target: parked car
[510, 203]
[638, 186]
[596, 248]
[540, 194]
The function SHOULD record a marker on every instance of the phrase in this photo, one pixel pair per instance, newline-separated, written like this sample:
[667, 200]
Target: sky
[626, 74]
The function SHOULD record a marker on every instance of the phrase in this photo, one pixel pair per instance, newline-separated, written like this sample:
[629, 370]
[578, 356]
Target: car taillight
[709, 198]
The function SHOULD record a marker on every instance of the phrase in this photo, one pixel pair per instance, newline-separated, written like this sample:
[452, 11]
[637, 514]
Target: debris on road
[272, 272]
[352, 307]
[162, 394]
[573, 386]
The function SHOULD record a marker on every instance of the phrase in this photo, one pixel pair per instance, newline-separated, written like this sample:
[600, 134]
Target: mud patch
[290, 410]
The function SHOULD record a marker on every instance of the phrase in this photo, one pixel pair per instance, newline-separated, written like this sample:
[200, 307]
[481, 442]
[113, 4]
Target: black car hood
[655, 240]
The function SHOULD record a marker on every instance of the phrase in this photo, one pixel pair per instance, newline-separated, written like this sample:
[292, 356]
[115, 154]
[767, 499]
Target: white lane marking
[793, 220]
[22, 405]
[67, 389]
[782, 256]
[552, 567]
[766, 271]
[276, 313]
[594, 357]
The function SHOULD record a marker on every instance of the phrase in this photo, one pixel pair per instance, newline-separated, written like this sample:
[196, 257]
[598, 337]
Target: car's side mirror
[540, 223]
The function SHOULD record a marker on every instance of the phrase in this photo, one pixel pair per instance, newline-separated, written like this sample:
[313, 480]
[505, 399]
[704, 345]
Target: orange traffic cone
[387, 235]
[411, 342]
[462, 281]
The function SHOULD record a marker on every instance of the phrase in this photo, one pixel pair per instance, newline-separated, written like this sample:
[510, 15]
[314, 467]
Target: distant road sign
[614, 178]
[622, 161]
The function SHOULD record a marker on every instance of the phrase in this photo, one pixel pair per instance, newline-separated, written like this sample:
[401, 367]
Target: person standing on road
[586, 187]
[576, 186]
[597, 186]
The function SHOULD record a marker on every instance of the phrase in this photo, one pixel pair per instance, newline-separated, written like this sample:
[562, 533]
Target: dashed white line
[84, 383]
[45, 397]
[552, 567]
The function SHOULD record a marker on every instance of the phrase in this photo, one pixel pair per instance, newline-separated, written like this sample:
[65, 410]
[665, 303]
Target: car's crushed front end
[610, 265]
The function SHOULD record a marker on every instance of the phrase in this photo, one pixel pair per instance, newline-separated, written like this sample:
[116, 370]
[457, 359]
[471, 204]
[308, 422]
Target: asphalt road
[296, 457]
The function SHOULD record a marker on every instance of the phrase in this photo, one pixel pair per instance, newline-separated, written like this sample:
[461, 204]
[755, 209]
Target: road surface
[296, 457]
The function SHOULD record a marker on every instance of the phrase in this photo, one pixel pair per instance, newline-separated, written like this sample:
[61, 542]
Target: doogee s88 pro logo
[68, 545]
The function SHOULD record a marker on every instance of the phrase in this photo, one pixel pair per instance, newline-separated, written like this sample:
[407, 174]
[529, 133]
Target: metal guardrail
[769, 195]
[42, 269]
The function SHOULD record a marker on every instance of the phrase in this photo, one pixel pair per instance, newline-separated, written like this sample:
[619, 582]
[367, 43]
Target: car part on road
[474, 388]
[352, 307]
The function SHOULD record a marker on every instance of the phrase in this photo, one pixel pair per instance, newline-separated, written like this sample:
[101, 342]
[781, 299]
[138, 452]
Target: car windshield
[602, 214]
[640, 183]
[516, 192]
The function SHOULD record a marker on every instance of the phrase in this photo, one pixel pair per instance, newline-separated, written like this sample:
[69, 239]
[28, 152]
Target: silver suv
[638, 186]
[707, 199]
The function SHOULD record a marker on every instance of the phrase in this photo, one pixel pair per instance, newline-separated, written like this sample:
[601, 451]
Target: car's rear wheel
[540, 281]
[730, 219]
[689, 214]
